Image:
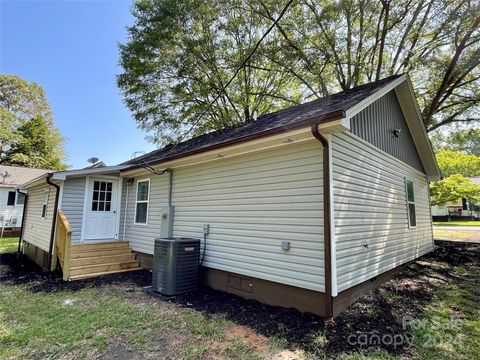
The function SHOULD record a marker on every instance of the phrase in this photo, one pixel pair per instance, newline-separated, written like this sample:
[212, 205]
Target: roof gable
[376, 124]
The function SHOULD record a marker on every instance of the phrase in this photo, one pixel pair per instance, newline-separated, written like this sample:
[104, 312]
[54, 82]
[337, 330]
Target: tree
[25, 115]
[466, 141]
[180, 53]
[452, 163]
[36, 146]
[453, 188]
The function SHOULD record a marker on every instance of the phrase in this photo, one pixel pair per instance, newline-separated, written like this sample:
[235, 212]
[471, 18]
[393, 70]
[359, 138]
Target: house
[308, 207]
[461, 209]
[11, 202]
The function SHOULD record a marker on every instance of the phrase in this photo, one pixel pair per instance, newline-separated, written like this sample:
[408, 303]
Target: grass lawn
[8, 245]
[433, 304]
[456, 223]
[454, 234]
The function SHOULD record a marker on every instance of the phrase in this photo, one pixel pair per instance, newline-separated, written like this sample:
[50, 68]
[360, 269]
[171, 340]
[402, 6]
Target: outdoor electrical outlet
[206, 229]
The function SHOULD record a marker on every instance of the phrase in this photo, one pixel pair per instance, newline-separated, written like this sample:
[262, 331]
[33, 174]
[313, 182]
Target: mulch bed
[412, 290]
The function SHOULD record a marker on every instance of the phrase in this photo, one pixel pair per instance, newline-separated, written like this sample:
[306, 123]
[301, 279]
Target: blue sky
[70, 48]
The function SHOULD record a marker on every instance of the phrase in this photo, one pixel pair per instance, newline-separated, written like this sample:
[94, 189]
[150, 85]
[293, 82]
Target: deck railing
[63, 240]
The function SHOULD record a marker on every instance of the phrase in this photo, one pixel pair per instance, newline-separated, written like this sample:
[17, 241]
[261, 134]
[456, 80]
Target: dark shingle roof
[289, 118]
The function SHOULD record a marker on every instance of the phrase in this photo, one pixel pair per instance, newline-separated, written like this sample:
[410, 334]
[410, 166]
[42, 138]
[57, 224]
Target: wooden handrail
[63, 240]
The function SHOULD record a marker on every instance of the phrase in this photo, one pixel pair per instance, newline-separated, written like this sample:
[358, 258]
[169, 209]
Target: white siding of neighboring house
[141, 237]
[9, 212]
[252, 203]
[36, 228]
[72, 204]
[371, 209]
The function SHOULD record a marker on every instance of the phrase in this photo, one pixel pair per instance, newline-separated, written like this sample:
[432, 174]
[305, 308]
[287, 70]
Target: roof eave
[324, 118]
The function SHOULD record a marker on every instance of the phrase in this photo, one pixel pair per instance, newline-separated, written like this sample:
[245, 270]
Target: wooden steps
[92, 260]
[92, 275]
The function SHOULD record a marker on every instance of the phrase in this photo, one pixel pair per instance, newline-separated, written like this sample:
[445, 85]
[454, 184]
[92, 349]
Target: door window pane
[102, 196]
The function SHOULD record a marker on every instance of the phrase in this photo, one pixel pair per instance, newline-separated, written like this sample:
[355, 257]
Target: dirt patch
[257, 342]
[381, 310]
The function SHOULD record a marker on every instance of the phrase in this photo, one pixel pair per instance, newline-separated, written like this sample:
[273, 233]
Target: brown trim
[24, 213]
[326, 221]
[339, 114]
[54, 221]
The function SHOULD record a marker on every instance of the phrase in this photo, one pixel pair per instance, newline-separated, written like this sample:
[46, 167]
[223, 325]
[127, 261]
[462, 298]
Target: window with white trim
[412, 214]
[45, 204]
[141, 207]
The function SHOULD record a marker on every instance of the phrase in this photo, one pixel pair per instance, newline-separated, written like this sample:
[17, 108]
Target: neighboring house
[11, 202]
[461, 209]
[308, 207]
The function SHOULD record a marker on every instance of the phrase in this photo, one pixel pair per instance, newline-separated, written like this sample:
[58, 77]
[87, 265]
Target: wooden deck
[91, 260]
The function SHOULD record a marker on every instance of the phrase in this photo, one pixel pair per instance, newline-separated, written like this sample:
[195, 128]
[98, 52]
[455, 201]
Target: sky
[70, 49]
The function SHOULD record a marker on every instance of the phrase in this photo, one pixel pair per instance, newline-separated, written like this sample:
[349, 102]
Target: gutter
[327, 239]
[24, 212]
[54, 220]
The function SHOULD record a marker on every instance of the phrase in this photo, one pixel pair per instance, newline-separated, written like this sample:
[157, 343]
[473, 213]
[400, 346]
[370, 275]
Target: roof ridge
[336, 102]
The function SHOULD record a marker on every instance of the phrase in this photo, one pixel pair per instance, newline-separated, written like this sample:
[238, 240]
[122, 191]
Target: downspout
[24, 213]
[327, 245]
[54, 220]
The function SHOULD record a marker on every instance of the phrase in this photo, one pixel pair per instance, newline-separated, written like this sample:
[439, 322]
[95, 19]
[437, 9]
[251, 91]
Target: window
[11, 198]
[102, 196]
[141, 208]
[20, 199]
[45, 204]
[412, 216]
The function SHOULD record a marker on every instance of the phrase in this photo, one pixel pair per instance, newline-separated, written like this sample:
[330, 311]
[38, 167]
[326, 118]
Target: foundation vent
[175, 265]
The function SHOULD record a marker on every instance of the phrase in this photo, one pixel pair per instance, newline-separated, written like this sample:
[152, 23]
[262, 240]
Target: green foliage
[35, 145]
[451, 163]
[181, 53]
[28, 136]
[178, 58]
[453, 188]
[466, 141]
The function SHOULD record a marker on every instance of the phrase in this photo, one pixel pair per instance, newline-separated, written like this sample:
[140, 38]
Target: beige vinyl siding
[371, 223]
[252, 203]
[72, 204]
[37, 229]
[141, 237]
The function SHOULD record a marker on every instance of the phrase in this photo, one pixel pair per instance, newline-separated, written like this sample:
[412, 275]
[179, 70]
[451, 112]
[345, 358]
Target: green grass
[457, 223]
[47, 325]
[8, 245]
[90, 321]
[452, 326]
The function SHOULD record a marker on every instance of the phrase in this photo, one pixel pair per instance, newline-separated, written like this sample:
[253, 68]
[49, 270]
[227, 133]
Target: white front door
[101, 209]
